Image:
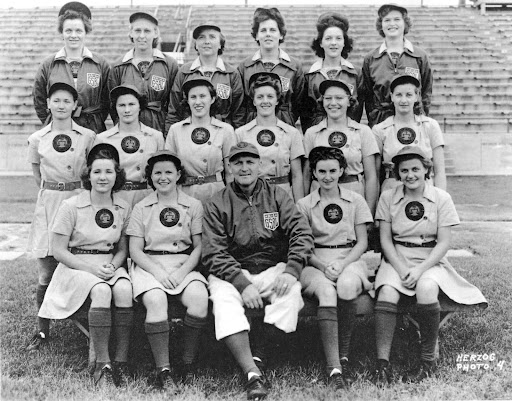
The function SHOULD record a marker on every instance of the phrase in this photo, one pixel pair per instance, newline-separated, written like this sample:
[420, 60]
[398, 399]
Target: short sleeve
[363, 214]
[368, 143]
[126, 216]
[196, 225]
[377, 135]
[228, 141]
[383, 213]
[170, 142]
[308, 142]
[136, 224]
[446, 214]
[303, 208]
[435, 134]
[65, 220]
[297, 148]
[33, 154]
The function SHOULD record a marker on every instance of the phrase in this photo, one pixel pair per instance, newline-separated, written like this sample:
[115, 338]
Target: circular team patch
[130, 144]
[61, 143]
[268, 65]
[406, 135]
[143, 67]
[169, 217]
[104, 218]
[333, 213]
[414, 210]
[337, 139]
[208, 74]
[75, 66]
[200, 135]
[332, 73]
[266, 137]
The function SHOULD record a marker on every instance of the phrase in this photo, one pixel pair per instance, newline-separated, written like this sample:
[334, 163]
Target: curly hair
[267, 81]
[328, 21]
[163, 158]
[222, 42]
[386, 11]
[426, 163]
[320, 153]
[186, 107]
[120, 173]
[264, 14]
[71, 14]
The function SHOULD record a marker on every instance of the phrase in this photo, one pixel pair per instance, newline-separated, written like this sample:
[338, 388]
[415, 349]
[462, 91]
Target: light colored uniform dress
[277, 146]
[165, 229]
[417, 222]
[333, 224]
[202, 151]
[357, 143]
[134, 151]
[90, 228]
[61, 159]
[426, 134]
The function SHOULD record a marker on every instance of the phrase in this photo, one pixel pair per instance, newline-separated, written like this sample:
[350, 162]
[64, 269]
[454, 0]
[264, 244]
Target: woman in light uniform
[89, 241]
[134, 141]
[415, 231]
[201, 142]
[407, 126]
[279, 144]
[355, 140]
[165, 247]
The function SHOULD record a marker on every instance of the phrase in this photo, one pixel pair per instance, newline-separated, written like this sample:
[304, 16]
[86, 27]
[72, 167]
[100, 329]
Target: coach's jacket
[253, 233]
[155, 85]
[91, 85]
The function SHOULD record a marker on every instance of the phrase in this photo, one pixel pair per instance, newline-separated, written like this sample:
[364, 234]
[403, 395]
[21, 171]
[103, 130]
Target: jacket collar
[318, 65]
[84, 200]
[237, 190]
[429, 193]
[86, 53]
[282, 55]
[408, 47]
[129, 56]
[196, 64]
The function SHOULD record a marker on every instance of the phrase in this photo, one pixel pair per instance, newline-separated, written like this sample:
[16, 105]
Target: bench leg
[81, 327]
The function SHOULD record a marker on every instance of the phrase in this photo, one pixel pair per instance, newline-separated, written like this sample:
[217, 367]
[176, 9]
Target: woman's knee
[326, 294]
[123, 293]
[427, 291]
[195, 299]
[46, 268]
[388, 294]
[349, 286]
[101, 296]
[155, 300]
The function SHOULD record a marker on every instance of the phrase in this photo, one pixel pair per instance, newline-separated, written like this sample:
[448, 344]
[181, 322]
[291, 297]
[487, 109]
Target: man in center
[255, 244]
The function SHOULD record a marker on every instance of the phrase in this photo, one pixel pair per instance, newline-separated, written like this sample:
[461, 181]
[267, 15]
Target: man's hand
[283, 283]
[251, 297]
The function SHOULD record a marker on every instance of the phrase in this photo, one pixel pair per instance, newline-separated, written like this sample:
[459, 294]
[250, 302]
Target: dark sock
[385, 323]
[239, 346]
[123, 323]
[428, 319]
[43, 324]
[348, 321]
[192, 328]
[327, 318]
[158, 337]
[100, 322]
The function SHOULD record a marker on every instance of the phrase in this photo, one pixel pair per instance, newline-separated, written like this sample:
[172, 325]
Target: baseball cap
[77, 7]
[243, 148]
[403, 79]
[334, 82]
[195, 82]
[65, 87]
[202, 26]
[406, 151]
[163, 155]
[386, 8]
[123, 90]
[110, 149]
[142, 15]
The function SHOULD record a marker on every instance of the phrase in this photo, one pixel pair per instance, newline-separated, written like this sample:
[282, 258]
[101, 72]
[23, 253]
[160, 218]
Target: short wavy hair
[320, 153]
[222, 42]
[266, 80]
[426, 163]
[418, 105]
[155, 42]
[163, 158]
[72, 14]
[386, 11]
[352, 103]
[120, 173]
[213, 108]
[329, 21]
[264, 14]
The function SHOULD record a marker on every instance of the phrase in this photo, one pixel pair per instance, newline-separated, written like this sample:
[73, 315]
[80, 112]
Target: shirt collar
[219, 65]
[282, 55]
[318, 65]
[407, 45]
[84, 200]
[213, 121]
[129, 56]
[344, 195]
[86, 53]
[429, 193]
[152, 199]
[115, 130]
[74, 126]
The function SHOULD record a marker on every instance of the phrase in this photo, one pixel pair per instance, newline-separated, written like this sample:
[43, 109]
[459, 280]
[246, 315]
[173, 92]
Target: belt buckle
[128, 185]
[200, 179]
[61, 186]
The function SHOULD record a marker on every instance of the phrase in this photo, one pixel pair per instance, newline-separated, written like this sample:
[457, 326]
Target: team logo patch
[406, 135]
[415, 72]
[242, 144]
[61, 143]
[143, 67]
[223, 91]
[200, 135]
[285, 83]
[268, 65]
[351, 87]
[104, 218]
[271, 220]
[266, 137]
[93, 80]
[158, 83]
[130, 144]
[333, 213]
[414, 210]
[337, 139]
[331, 74]
[208, 74]
[75, 66]
[169, 217]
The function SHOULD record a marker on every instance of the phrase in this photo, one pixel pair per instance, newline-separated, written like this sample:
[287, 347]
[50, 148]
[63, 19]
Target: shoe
[346, 372]
[122, 373]
[256, 388]
[337, 381]
[165, 381]
[39, 339]
[423, 371]
[260, 364]
[104, 376]
[186, 373]
[382, 374]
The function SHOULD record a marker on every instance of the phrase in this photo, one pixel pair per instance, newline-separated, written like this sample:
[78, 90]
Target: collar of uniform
[152, 199]
[282, 55]
[318, 127]
[187, 121]
[352, 124]
[86, 53]
[250, 125]
[282, 125]
[219, 65]
[236, 188]
[318, 65]
[84, 200]
[407, 46]
[344, 195]
[129, 56]
[74, 126]
[429, 193]
[390, 121]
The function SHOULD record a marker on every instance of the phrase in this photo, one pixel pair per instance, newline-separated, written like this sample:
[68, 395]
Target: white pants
[228, 305]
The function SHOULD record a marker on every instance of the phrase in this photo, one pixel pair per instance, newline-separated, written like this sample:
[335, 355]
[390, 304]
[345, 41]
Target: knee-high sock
[123, 323]
[192, 327]
[348, 321]
[327, 317]
[385, 323]
[428, 319]
[43, 324]
[239, 346]
[100, 322]
[158, 337]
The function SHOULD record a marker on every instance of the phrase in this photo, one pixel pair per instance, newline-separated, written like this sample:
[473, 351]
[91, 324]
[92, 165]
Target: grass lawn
[59, 372]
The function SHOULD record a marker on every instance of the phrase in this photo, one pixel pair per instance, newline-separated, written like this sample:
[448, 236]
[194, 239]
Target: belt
[187, 251]
[278, 180]
[429, 244]
[348, 178]
[201, 179]
[79, 251]
[80, 110]
[349, 245]
[155, 106]
[62, 186]
[134, 185]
